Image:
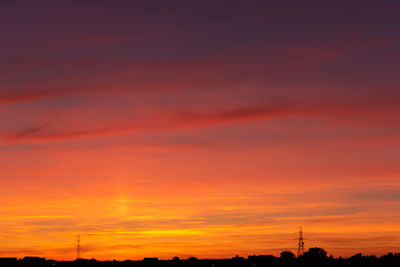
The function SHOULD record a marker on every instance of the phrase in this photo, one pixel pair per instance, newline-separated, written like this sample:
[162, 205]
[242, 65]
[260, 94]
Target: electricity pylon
[78, 247]
[300, 249]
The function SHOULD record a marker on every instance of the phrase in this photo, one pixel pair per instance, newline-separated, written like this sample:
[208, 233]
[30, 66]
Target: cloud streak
[175, 120]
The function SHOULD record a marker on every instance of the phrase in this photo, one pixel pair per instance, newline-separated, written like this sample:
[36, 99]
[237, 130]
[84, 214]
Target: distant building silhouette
[8, 261]
[314, 257]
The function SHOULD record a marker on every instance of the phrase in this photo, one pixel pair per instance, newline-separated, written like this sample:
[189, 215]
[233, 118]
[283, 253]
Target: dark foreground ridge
[313, 257]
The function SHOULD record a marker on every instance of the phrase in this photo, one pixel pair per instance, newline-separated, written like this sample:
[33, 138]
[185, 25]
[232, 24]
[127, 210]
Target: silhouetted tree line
[313, 257]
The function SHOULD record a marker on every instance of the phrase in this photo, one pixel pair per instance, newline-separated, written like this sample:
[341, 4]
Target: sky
[198, 128]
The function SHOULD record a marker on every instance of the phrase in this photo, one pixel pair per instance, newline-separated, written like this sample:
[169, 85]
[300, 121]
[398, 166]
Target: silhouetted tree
[316, 253]
[314, 257]
[287, 258]
[287, 255]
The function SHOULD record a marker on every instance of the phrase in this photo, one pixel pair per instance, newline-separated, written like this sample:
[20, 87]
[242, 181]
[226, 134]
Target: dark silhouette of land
[313, 257]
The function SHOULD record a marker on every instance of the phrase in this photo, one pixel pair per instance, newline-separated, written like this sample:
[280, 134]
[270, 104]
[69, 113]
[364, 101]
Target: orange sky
[200, 129]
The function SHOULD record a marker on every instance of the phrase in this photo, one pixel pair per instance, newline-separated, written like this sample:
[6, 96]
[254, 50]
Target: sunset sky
[199, 128]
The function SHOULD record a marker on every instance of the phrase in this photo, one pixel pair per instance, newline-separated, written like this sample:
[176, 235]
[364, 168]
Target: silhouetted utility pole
[300, 250]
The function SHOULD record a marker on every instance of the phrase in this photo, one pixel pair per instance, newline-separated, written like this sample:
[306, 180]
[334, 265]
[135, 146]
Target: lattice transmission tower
[78, 247]
[300, 249]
